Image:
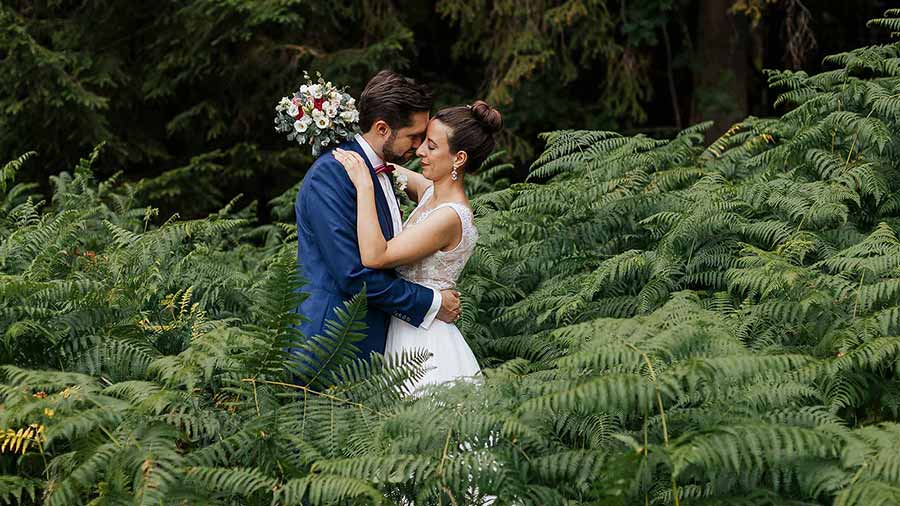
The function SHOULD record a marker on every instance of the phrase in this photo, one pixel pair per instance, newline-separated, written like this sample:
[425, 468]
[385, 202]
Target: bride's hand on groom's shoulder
[355, 166]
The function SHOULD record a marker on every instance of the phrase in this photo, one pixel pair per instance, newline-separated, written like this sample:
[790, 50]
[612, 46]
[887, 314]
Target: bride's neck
[447, 190]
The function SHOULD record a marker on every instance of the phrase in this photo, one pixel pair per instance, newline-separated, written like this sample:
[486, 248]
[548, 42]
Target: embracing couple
[351, 233]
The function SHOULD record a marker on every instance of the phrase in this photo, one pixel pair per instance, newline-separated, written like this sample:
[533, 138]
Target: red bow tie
[384, 168]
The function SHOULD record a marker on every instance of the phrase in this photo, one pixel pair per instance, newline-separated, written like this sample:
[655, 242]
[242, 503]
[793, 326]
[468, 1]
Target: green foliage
[660, 323]
[182, 92]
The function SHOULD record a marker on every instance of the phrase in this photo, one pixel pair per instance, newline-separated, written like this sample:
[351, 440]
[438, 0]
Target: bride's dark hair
[472, 130]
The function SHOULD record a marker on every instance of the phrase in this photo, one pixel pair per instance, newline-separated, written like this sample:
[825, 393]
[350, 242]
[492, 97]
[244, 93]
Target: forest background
[660, 319]
[182, 92]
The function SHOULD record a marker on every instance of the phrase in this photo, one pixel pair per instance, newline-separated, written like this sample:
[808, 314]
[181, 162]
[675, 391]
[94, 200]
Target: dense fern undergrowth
[660, 323]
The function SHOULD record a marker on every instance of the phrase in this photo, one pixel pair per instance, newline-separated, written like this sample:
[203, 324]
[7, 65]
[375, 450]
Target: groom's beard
[391, 156]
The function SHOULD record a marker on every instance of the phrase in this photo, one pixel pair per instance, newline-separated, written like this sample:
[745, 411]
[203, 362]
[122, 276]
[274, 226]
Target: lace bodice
[442, 269]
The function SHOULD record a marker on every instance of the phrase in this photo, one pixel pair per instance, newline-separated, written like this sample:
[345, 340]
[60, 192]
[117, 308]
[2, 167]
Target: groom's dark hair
[393, 98]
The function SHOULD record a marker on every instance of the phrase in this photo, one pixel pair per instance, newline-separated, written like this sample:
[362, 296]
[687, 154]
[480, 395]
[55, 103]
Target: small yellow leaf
[17, 441]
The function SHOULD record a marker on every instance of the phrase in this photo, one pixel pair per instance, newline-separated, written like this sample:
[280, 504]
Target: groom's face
[400, 147]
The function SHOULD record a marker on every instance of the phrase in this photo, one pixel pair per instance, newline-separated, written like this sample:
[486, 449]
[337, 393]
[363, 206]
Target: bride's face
[434, 152]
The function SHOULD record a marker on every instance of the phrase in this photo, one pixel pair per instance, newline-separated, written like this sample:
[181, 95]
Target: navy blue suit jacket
[328, 255]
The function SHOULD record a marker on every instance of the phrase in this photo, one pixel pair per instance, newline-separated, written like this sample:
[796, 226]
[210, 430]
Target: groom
[393, 114]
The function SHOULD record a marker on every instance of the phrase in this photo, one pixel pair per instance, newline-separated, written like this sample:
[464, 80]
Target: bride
[438, 237]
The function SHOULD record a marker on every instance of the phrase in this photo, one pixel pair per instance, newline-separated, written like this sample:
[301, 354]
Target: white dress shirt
[388, 190]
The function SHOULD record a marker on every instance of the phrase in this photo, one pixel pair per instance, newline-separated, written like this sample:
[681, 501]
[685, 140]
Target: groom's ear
[381, 128]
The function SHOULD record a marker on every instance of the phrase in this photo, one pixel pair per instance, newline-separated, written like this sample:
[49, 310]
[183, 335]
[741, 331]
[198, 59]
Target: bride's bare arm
[416, 183]
[440, 230]
[412, 244]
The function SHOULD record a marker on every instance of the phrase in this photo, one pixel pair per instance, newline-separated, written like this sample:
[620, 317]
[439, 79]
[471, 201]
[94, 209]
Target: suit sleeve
[326, 205]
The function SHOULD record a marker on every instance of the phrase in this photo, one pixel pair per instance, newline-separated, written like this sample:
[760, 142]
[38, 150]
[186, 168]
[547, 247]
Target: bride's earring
[453, 174]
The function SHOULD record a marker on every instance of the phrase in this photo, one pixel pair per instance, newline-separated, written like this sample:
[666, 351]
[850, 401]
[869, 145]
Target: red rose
[299, 114]
[317, 103]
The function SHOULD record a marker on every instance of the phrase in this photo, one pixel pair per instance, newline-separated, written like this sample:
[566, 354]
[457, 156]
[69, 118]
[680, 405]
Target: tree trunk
[722, 67]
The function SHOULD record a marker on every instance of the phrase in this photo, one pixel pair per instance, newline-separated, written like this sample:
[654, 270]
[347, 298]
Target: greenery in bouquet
[318, 114]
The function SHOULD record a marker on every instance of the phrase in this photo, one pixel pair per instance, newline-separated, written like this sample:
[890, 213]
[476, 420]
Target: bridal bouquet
[319, 114]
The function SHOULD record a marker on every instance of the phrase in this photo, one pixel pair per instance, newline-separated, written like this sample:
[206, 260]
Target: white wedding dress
[451, 359]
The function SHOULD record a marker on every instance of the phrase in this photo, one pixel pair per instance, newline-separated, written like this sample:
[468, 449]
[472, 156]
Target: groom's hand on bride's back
[450, 308]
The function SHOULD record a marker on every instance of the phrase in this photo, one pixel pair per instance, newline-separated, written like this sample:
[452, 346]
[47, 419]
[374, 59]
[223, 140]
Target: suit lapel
[381, 205]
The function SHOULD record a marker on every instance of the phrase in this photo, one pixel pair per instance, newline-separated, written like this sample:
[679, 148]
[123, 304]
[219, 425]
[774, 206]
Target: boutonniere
[406, 205]
[400, 182]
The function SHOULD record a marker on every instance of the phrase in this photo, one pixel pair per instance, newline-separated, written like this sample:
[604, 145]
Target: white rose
[348, 116]
[304, 88]
[293, 110]
[316, 114]
[322, 122]
[300, 126]
[316, 91]
[401, 182]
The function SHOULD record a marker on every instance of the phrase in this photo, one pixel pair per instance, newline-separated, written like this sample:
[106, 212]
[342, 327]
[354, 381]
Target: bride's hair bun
[490, 118]
[472, 128]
